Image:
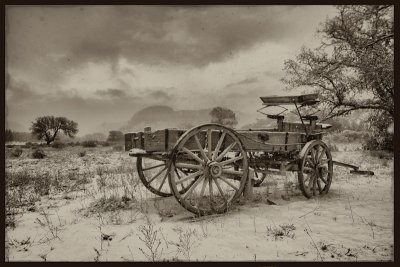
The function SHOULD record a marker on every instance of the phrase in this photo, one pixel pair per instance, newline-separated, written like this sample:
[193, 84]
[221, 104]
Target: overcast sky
[96, 64]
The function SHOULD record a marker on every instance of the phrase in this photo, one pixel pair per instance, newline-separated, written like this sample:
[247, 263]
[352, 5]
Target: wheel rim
[212, 153]
[153, 174]
[316, 169]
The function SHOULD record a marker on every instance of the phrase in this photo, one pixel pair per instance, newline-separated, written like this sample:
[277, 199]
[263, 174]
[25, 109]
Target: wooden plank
[259, 140]
[285, 100]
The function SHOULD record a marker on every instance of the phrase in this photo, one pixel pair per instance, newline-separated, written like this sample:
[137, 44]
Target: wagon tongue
[362, 172]
[355, 169]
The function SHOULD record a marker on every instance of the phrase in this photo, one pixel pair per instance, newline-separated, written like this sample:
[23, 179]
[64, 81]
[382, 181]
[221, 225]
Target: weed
[281, 231]
[17, 152]
[58, 145]
[46, 223]
[186, 242]
[149, 237]
[89, 143]
[118, 147]
[38, 153]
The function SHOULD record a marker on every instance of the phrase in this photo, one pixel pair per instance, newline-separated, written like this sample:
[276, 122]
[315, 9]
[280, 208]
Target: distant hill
[161, 117]
[106, 127]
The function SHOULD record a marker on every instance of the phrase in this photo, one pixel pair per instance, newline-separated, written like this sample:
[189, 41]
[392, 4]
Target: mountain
[161, 117]
[106, 127]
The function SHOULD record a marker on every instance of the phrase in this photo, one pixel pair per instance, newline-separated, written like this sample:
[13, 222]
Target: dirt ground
[96, 210]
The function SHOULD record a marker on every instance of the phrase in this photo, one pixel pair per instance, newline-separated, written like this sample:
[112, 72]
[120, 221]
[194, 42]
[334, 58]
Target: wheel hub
[215, 169]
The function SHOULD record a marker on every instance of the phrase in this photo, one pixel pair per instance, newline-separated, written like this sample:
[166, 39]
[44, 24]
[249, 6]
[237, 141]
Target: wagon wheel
[315, 169]
[259, 175]
[216, 184]
[153, 174]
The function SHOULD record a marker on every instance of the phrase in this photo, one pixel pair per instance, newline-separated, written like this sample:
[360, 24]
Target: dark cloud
[111, 92]
[242, 82]
[161, 95]
[61, 38]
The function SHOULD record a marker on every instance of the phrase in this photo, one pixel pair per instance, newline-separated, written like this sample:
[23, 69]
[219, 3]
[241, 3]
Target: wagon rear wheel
[315, 169]
[218, 168]
[153, 174]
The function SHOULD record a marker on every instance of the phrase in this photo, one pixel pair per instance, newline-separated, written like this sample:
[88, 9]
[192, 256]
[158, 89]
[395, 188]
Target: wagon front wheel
[218, 168]
[315, 169]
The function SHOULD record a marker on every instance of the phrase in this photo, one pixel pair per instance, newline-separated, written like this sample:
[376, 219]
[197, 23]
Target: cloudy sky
[96, 64]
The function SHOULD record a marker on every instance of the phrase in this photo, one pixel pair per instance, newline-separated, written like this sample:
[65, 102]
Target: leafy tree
[353, 69]
[9, 135]
[48, 127]
[223, 116]
[115, 136]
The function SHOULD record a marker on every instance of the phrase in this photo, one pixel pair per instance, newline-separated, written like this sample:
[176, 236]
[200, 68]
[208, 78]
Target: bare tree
[353, 69]
[223, 116]
[47, 127]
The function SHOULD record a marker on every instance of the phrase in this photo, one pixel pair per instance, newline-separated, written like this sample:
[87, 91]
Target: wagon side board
[252, 140]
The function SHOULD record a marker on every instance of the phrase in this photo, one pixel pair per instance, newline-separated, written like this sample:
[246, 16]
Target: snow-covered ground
[81, 222]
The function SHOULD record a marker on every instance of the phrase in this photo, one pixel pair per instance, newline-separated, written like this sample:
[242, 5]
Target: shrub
[89, 143]
[58, 145]
[17, 152]
[118, 147]
[381, 132]
[38, 153]
[105, 143]
[82, 153]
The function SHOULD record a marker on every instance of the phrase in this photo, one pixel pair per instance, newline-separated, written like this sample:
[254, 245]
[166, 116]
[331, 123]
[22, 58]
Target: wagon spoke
[202, 192]
[313, 152]
[163, 181]
[191, 154]
[321, 155]
[311, 170]
[158, 174]
[209, 142]
[311, 180]
[228, 183]
[153, 167]
[210, 189]
[314, 185]
[200, 147]
[319, 186]
[220, 190]
[226, 151]
[228, 171]
[309, 161]
[189, 166]
[190, 176]
[218, 147]
[322, 178]
[324, 161]
[193, 187]
[231, 160]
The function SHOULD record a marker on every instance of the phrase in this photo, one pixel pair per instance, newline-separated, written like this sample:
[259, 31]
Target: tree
[223, 116]
[353, 68]
[115, 136]
[9, 135]
[48, 127]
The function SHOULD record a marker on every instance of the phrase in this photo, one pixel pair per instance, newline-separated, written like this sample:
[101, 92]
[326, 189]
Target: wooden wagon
[207, 167]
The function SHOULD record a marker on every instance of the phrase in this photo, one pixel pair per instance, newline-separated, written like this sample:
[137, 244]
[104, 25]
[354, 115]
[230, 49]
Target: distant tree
[94, 136]
[353, 69]
[223, 116]
[115, 136]
[9, 135]
[48, 127]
